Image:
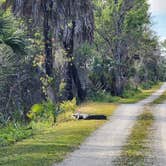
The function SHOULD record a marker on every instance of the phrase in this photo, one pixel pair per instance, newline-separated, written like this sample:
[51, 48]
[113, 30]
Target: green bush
[98, 96]
[45, 111]
[102, 96]
[147, 85]
[130, 92]
[14, 132]
[49, 112]
[68, 106]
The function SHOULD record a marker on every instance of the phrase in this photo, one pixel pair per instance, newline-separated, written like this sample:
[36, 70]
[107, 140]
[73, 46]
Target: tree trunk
[68, 94]
[47, 32]
[47, 9]
[119, 82]
[119, 85]
[80, 92]
[71, 73]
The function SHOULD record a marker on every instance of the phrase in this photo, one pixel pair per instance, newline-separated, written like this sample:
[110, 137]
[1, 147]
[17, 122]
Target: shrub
[43, 112]
[13, 132]
[68, 106]
[130, 92]
[48, 111]
[102, 96]
[147, 85]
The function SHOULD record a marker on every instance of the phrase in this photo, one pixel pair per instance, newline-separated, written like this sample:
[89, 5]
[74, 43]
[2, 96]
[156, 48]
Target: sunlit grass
[161, 99]
[52, 144]
[97, 108]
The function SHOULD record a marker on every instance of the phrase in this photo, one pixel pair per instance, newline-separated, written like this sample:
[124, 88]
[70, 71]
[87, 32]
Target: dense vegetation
[52, 144]
[56, 53]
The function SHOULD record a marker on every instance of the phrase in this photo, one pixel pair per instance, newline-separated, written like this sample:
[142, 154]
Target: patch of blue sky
[158, 12]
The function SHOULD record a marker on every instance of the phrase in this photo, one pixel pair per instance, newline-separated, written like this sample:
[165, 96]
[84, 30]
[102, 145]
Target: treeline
[57, 50]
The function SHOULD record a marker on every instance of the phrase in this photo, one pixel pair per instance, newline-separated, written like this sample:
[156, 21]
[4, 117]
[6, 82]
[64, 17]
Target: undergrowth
[51, 144]
[130, 95]
[14, 132]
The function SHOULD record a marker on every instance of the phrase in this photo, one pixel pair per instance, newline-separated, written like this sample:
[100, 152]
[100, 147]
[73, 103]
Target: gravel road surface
[104, 145]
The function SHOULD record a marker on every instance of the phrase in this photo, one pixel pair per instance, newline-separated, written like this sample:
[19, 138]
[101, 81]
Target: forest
[57, 50]
[57, 54]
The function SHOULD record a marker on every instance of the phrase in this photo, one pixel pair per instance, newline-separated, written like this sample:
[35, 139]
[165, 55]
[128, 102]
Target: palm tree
[72, 22]
[40, 12]
[75, 22]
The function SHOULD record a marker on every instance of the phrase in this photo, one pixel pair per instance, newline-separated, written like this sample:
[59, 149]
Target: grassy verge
[136, 149]
[131, 96]
[13, 133]
[142, 94]
[48, 144]
[52, 144]
[161, 99]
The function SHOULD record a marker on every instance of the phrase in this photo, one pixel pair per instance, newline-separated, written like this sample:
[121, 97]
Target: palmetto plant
[16, 73]
[9, 34]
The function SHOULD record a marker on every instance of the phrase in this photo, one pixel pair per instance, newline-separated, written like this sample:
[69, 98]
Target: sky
[158, 11]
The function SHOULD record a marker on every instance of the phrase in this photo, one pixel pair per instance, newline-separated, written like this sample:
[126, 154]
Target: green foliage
[46, 82]
[66, 109]
[123, 28]
[130, 93]
[124, 46]
[4, 119]
[102, 73]
[161, 99]
[49, 112]
[68, 106]
[140, 94]
[51, 144]
[19, 84]
[137, 18]
[147, 85]
[10, 34]
[45, 111]
[102, 96]
[84, 54]
[13, 133]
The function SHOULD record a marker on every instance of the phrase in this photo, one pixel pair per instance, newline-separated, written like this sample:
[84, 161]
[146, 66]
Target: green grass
[13, 133]
[135, 151]
[161, 99]
[52, 144]
[129, 96]
[140, 95]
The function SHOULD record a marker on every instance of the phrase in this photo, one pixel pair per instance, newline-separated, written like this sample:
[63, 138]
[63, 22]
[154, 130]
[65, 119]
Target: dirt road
[159, 138]
[103, 146]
